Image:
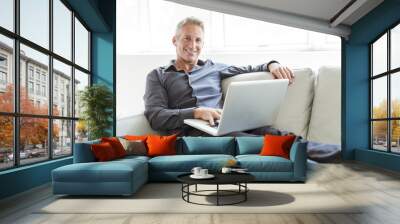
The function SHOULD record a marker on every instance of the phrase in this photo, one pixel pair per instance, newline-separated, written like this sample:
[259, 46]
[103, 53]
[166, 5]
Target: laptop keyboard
[216, 123]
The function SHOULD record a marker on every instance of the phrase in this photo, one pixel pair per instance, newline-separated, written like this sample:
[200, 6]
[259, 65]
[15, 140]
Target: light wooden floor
[378, 188]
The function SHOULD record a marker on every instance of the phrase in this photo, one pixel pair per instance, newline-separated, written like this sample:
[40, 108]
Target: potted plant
[96, 102]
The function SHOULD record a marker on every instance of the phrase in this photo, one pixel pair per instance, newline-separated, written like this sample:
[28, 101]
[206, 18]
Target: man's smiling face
[189, 42]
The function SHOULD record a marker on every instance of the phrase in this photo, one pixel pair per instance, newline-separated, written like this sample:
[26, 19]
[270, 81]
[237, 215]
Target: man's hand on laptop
[208, 114]
[281, 72]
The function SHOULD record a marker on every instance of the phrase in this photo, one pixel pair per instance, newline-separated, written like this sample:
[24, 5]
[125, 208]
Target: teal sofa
[125, 176]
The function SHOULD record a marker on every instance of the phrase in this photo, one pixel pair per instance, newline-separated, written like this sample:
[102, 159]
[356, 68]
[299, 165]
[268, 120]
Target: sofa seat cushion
[207, 145]
[257, 163]
[185, 163]
[111, 171]
[133, 158]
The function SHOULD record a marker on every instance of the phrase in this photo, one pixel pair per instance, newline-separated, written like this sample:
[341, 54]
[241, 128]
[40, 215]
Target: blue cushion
[208, 145]
[111, 171]
[83, 153]
[249, 145]
[257, 163]
[184, 163]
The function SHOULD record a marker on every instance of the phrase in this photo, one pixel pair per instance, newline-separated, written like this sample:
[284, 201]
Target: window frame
[16, 115]
[388, 74]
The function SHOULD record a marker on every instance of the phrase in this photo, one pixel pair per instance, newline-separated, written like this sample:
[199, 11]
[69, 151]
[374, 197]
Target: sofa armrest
[83, 152]
[298, 155]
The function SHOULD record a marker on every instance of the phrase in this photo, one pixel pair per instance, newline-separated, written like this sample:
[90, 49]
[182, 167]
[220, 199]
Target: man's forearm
[167, 119]
[236, 70]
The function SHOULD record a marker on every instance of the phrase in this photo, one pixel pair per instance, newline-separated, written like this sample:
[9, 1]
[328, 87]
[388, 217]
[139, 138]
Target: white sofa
[312, 107]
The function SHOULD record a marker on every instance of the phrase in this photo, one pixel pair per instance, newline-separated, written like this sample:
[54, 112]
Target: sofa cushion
[161, 145]
[294, 114]
[249, 145]
[257, 163]
[116, 145]
[275, 145]
[207, 145]
[103, 152]
[134, 147]
[112, 171]
[325, 118]
[185, 163]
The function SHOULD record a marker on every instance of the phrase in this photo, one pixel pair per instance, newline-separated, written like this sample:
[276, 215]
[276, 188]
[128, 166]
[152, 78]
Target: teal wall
[24, 178]
[100, 17]
[355, 88]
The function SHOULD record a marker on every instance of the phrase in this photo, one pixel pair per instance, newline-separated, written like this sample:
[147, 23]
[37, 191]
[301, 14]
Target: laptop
[248, 105]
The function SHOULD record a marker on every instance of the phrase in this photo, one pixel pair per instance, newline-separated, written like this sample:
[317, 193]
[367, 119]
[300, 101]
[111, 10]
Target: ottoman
[118, 177]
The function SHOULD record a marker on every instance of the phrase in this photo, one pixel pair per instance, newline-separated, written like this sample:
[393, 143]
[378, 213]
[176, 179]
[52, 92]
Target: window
[6, 73]
[37, 74]
[3, 72]
[44, 91]
[30, 87]
[62, 74]
[7, 14]
[38, 89]
[3, 61]
[81, 45]
[35, 21]
[53, 128]
[385, 92]
[30, 72]
[3, 78]
[62, 29]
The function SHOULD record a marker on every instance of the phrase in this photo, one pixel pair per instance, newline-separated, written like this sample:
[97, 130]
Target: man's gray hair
[189, 20]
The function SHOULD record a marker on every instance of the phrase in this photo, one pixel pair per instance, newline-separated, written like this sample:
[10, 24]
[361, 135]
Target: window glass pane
[62, 89]
[7, 14]
[395, 47]
[379, 55]
[395, 94]
[62, 138]
[81, 81]
[81, 131]
[6, 74]
[34, 82]
[35, 21]
[6, 142]
[395, 138]
[62, 29]
[81, 45]
[379, 100]
[33, 140]
[379, 135]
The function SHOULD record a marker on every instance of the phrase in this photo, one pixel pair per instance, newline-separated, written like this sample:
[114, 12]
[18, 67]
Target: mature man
[191, 88]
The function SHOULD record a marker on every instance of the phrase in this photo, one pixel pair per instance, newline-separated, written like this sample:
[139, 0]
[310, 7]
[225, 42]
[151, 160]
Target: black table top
[220, 178]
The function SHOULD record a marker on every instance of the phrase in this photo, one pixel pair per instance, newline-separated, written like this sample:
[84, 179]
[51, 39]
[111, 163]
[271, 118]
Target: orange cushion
[116, 145]
[136, 137]
[103, 151]
[275, 145]
[161, 145]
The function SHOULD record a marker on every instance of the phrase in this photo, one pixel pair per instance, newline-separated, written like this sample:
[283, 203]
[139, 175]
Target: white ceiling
[315, 15]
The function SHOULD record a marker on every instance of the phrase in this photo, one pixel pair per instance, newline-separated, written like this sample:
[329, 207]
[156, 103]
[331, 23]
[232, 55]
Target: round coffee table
[238, 179]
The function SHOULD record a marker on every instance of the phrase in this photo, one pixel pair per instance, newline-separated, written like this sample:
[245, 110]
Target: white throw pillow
[294, 115]
[325, 121]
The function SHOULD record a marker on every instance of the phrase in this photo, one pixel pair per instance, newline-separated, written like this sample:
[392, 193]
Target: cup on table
[226, 170]
[196, 171]
[203, 172]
